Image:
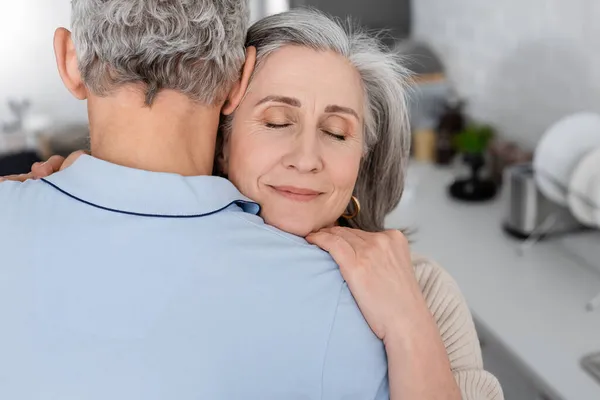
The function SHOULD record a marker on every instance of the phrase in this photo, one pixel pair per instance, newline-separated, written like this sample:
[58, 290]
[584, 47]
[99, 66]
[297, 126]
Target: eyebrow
[291, 101]
[343, 110]
[281, 99]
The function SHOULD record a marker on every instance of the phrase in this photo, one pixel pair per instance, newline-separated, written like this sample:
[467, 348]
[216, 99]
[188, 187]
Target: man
[133, 274]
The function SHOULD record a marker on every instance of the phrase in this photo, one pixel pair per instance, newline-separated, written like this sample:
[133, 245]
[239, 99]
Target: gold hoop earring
[356, 209]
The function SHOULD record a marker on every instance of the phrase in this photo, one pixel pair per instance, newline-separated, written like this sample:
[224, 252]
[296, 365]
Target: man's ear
[66, 61]
[239, 89]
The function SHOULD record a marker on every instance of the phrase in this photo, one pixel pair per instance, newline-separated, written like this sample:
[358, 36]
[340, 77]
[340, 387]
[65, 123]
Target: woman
[321, 141]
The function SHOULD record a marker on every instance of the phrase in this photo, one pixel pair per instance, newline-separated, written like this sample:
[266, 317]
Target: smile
[296, 194]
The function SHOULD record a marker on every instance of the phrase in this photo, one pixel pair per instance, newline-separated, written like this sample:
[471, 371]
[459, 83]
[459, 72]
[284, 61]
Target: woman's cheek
[251, 158]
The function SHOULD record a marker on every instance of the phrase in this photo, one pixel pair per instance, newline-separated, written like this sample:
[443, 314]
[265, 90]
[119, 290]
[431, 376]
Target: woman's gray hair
[195, 47]
[387, 133]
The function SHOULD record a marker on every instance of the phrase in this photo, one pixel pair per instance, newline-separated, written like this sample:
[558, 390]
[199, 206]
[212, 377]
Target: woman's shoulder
[457, 329]
[439, 288]
[429, 274]
[450, 310]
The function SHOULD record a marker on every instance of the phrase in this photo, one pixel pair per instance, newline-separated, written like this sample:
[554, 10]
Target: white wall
[27, 68]
[522, 64]
[391, 15]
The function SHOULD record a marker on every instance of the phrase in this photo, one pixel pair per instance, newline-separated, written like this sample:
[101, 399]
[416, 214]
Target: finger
[17, 178]
[42, 170]
[341, 251]
[55, 162]
[72, 158]
[348, 234]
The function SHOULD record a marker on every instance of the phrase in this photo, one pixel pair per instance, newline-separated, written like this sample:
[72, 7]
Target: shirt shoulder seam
[335, 314]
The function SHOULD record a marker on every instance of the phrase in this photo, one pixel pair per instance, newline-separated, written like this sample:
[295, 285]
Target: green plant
[474, 139]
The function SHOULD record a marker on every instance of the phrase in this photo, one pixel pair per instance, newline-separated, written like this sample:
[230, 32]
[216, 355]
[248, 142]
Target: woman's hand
[42, 170]
[380, 275]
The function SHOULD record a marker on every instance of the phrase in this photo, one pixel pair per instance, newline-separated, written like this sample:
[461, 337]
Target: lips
[296, 193]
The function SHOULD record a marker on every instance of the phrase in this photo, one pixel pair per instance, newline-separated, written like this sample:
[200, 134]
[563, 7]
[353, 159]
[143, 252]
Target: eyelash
[275, 126]
[341, 138]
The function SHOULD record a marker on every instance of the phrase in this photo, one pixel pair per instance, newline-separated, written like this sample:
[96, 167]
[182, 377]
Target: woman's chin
[294, 229]
[295, 226]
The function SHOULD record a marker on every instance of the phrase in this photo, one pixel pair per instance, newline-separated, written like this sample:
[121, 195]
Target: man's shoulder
[268, 234]
[7, 187]
[247, 236]
[21, 204]
[27, 186]
[21, 201]
[16, 193]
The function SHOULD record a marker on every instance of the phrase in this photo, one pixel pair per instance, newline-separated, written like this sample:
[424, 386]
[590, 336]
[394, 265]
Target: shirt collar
[152, 194]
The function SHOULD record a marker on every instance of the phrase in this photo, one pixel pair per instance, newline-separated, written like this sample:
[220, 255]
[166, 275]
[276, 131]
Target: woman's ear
[239, 89]
[66, 61]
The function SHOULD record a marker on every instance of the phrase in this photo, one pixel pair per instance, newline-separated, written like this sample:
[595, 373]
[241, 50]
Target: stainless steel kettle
[528, 211]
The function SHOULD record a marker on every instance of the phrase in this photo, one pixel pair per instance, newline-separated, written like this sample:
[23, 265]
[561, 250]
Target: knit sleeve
[457, 329]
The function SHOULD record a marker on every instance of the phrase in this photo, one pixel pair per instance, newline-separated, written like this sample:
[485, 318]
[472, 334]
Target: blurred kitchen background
[504, 185]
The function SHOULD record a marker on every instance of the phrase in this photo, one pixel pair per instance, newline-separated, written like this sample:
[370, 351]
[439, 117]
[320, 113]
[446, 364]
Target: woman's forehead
[309, 75]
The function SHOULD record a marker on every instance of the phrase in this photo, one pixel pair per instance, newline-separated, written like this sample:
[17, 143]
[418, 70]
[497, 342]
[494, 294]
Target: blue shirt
[118, 283]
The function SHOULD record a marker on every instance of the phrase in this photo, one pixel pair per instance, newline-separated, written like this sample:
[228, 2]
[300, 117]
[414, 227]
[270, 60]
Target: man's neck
[175, 135]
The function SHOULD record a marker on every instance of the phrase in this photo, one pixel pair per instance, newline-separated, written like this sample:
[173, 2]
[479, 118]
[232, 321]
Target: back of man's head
[195, 47]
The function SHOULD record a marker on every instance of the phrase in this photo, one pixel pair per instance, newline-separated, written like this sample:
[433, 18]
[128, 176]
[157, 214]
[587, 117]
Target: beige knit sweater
[457, 329]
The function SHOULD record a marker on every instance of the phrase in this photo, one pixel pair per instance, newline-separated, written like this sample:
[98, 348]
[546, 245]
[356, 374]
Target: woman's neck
[174, 135]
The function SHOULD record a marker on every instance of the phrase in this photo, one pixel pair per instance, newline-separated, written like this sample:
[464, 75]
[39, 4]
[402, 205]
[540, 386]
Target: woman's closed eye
[334, 135]
[277, 117]
[277, 125]
[336, 127]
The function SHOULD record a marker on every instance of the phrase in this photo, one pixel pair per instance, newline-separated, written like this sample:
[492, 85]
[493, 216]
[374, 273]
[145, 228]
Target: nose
[305, 153]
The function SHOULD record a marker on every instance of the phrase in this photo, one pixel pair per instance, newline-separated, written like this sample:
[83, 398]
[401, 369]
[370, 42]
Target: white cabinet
[517, 382]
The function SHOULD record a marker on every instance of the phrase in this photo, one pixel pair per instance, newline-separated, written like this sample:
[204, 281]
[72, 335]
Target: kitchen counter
[532, 304]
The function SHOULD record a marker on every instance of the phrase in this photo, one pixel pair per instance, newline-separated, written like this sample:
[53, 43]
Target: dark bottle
[450, 123]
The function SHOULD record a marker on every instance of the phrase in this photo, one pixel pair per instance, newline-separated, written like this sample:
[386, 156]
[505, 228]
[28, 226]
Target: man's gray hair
[195, 47]
[387, 133]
